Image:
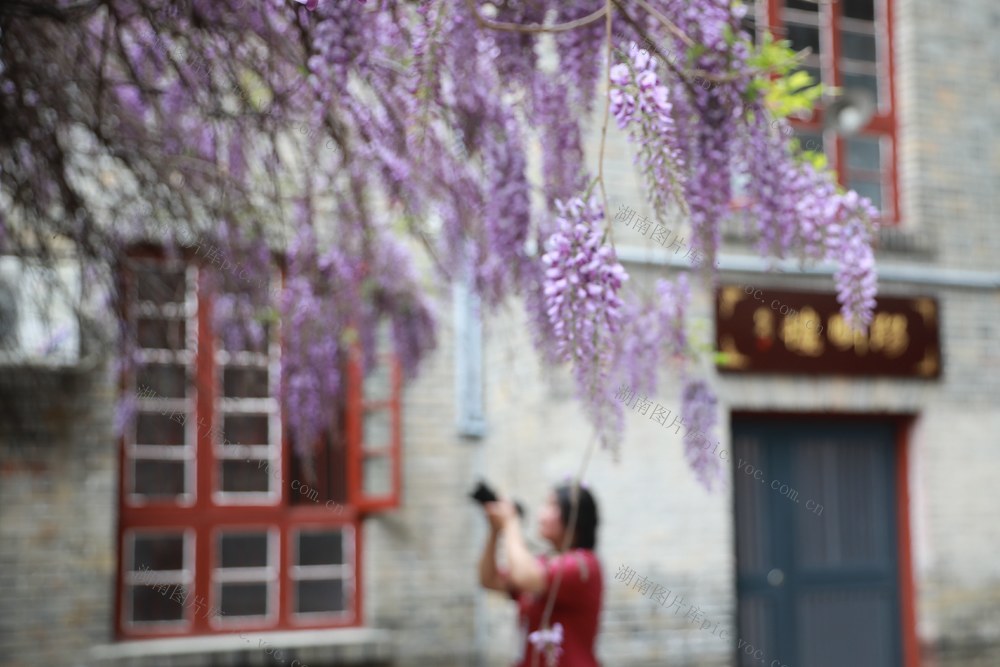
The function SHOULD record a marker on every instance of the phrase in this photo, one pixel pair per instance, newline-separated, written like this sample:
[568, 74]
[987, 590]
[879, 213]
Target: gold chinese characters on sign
[802, 332]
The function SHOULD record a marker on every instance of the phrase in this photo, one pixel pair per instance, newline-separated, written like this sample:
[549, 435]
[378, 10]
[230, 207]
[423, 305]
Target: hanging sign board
[770, 331]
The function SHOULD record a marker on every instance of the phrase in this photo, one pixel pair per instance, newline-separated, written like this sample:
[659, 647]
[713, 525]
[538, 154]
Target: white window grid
[135, 578]
[270, 575]
[134, 450]
[269, 451]
[345, 572]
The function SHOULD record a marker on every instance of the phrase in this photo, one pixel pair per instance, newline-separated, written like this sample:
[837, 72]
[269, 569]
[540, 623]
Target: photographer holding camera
[574, 573]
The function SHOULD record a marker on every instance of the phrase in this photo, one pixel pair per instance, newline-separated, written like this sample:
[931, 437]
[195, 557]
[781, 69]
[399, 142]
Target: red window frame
[883, 122]
[205, 517]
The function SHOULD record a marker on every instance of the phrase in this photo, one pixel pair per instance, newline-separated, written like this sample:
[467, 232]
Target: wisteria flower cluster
[651, 328]
[640, 102]
[798, 210]
[419, 121]
[583, 306]
[698, 412]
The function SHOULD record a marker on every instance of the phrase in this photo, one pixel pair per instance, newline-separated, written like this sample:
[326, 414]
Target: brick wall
[58, 500]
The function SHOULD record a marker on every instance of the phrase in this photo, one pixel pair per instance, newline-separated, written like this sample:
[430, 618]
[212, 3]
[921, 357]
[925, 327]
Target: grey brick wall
[58, 516]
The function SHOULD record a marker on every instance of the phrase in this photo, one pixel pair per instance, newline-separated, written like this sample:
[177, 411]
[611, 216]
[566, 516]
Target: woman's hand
[500, 513]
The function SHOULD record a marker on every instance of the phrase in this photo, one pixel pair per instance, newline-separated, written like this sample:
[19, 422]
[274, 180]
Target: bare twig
[667, 23]
[604, 125]
[534, 27]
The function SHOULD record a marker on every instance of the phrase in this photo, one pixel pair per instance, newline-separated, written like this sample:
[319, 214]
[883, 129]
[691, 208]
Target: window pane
[158, 552]
[165, 380]
[858, 46]
[149, 604]
[244, 599]
[161, 334]
[153, 428]
[863, 153]
[383, 338]
[750, 26]
[159, 285]
[321, 548]
[156, 478]
[377, 476]
[810, 141]
[377, 429]
[378, 385]
[245, 429]
[867, 82]
[803, 36]
[868, 189]
[243, 549]
[319, 595]
[244, 382]
[804, 5]
[239, 476]
[245, 336]
[860, 9]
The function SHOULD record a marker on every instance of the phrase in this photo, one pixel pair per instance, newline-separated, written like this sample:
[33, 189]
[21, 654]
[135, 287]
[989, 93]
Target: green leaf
[694, 52]
[728, 35]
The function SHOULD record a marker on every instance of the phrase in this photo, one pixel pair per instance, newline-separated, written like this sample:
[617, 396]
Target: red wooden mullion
[205, 467]
[357, 405]
[829, 22]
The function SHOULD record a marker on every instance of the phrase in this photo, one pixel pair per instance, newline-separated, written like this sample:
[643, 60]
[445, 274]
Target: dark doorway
[816, 543]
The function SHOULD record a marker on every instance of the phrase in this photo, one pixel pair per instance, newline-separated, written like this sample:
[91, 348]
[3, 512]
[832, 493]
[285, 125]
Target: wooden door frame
[902, 424]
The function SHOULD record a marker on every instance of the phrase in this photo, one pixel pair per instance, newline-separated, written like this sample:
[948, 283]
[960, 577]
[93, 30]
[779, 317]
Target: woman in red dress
[569, 639]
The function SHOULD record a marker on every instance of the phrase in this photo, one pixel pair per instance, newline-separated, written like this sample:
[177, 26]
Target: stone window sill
[311, 648]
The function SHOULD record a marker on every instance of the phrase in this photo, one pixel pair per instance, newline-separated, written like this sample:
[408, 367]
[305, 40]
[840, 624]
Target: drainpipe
[471, 426]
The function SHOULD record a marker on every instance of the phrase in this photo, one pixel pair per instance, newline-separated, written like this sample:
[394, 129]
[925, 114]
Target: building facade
[854, 525]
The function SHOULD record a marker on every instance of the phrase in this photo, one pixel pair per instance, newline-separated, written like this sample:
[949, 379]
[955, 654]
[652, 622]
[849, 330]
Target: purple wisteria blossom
[581, 294]
[401, 119]
[698, 404]
[641, 103]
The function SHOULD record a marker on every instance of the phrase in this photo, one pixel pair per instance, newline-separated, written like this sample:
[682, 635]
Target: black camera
[483, 494]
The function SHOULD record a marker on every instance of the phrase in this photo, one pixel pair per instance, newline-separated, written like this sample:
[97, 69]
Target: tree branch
[534, 27]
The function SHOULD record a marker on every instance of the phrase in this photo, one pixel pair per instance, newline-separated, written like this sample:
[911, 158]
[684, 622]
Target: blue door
[816, 543]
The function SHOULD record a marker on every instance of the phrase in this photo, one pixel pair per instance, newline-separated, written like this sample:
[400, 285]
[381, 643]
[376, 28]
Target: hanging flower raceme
[675, 298]
[799, 211]
[243, 293]
[507, 213]
[397, 295]
[580, 51]
[851, 246]
[637, 354]
[640, 102]
[582, 282]
[698, 404]
[559, 134]
[581, 294]
[320, 294]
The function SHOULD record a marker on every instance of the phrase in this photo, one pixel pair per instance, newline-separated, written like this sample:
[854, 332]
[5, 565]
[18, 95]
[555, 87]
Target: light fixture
[850, 112]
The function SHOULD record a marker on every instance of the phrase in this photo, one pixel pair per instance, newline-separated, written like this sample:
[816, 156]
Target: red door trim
[907, 589]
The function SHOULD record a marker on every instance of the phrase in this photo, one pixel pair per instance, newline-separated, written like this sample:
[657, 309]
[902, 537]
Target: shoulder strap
[584, 570]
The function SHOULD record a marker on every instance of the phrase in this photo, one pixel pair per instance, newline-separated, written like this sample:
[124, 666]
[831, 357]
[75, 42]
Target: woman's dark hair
[585, 533]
